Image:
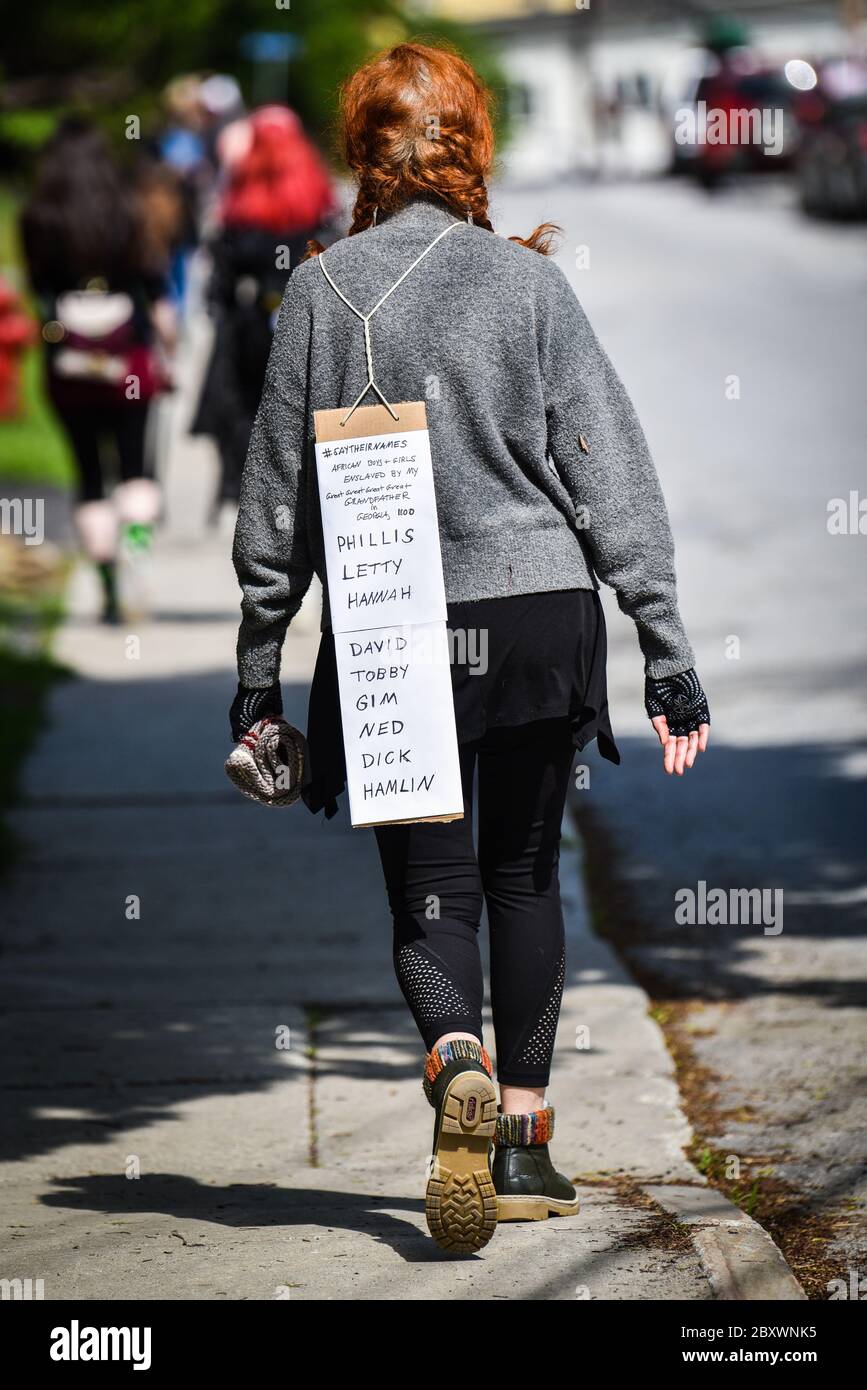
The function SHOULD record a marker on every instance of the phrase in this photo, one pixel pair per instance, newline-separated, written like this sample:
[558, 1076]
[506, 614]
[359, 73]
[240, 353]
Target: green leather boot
[528, 1186]
[460, 1201]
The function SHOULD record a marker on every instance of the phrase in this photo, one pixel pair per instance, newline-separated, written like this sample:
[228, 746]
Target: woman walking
[99, 274]
[543, 482]
[278, 195]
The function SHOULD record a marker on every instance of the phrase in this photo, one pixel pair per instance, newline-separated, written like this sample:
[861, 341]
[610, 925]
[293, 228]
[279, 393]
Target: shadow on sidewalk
[244, 920]
[254, 1205]
[789, 820]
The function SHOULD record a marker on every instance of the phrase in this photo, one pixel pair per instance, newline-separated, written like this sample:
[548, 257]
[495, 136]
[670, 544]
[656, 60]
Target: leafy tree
[118, 56]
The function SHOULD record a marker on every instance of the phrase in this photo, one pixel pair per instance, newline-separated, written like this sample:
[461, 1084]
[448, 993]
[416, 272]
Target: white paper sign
[388, 612]
[379, 524]
[398, 723]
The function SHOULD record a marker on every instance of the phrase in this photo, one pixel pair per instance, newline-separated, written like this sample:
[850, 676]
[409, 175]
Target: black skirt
[513, 660]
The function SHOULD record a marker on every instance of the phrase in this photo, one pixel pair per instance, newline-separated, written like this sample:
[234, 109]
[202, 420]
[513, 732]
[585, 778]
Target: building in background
[594, 83]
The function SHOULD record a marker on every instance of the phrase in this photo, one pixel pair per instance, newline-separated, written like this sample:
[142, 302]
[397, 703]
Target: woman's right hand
[677, 709]
[249, 706]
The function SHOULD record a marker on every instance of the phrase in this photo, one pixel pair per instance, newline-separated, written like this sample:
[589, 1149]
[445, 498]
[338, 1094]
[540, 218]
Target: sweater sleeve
[271, 550]
[599, 450]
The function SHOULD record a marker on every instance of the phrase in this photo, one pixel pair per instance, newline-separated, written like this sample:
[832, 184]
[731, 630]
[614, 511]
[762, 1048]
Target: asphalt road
[686, 293]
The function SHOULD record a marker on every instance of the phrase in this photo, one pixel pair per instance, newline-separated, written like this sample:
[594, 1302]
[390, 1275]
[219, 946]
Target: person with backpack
[277, 195]
[101, 286]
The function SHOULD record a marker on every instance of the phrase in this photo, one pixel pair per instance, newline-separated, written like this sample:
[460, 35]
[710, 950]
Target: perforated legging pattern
[539, 1047]
[439, 882]
[431, 995]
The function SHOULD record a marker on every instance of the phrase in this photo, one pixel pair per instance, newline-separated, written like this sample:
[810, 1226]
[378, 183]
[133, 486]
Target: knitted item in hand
[680, 698]
[249, 706]
[519, 1131]
[465, 1049]
[269, 763]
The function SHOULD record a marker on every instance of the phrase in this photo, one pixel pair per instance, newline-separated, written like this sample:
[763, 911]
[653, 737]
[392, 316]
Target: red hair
[279, 183]
[416, 122]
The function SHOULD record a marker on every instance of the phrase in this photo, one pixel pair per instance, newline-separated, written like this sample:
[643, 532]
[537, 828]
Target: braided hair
[416, 123]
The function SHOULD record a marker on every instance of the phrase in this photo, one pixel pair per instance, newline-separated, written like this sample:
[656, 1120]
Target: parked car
[742, 121]
[832, 156]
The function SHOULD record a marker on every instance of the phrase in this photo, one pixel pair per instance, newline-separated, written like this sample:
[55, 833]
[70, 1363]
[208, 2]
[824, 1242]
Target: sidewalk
[163, 934]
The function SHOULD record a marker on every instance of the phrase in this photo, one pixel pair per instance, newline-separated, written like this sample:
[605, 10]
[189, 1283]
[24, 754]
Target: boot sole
[461, 1202]
[534, 1208]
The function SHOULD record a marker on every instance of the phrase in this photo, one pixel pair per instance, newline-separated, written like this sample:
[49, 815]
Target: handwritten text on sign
[398, 723]
[388, 613]
[379, 523]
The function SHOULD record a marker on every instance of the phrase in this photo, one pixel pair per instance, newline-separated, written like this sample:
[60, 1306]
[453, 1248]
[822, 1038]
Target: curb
[739, 1258]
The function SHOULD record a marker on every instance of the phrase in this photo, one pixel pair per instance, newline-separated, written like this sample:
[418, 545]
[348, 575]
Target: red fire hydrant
[17, 332]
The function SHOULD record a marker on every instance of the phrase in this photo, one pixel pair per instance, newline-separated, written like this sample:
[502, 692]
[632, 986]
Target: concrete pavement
[164, 936]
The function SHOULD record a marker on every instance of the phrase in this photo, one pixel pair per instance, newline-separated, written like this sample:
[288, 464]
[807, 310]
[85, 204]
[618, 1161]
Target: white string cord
[370, 384]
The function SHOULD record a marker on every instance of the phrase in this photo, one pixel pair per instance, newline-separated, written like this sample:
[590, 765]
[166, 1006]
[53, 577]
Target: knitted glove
[250, 705]
[680, 698]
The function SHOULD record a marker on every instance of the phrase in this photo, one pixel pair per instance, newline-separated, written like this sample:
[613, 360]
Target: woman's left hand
[678, 710]
[250, 705]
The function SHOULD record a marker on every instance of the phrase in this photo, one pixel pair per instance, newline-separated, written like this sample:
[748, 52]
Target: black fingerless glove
[249, 706]
[680, 698]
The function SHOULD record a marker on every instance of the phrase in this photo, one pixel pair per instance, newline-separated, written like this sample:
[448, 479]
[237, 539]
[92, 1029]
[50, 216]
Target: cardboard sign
[379, 517]
[388, 612]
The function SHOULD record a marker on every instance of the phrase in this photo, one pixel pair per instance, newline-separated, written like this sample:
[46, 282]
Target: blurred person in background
[221, 104]
[181, 147]
[98, 269]
[170, 231]
[543, 481]
[277, 196]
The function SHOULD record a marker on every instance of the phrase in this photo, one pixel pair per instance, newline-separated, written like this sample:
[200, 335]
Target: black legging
[436, 886]
[89, 427]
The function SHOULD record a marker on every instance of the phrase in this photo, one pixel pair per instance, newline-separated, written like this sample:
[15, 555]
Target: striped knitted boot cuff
[463, 1049]
[518, 1131]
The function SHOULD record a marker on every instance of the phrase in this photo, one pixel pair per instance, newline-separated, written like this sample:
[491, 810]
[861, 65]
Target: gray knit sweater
[543, 476]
